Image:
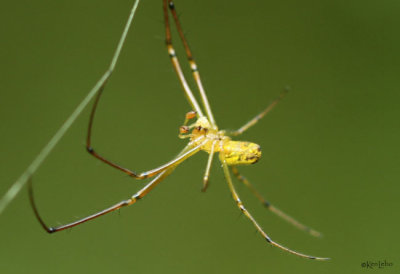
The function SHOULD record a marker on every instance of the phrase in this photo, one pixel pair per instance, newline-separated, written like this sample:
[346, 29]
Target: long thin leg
[174, 59]
[124, 203]
[208, 168]
[131, 173]
[250, 217]
[193, 65]
[140, 194]
[253, 121]
[21, 181]
[272, 208]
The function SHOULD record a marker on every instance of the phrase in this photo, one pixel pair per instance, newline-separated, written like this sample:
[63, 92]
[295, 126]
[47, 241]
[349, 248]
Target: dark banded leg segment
[272, 208]
[192, 63]
[175, 62]
[250, 217]
[140, 194]
[151, 172]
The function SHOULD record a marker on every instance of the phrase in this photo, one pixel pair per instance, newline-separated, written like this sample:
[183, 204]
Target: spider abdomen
[241, 153]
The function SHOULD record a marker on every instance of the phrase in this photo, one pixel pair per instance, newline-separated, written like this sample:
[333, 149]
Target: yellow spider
[203, 135]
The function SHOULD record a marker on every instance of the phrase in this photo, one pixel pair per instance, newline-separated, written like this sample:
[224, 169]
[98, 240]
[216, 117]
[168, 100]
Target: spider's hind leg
[242, 208]
[259, 116]
[272, 208]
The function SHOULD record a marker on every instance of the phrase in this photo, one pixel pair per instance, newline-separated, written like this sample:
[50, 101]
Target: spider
[203, 134]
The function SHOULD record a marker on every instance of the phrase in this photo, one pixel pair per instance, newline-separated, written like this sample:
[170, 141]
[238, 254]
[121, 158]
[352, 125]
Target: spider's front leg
[133, 199]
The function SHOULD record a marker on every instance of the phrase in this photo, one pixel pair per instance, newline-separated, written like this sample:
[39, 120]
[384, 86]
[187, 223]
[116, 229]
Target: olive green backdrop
[330, 148]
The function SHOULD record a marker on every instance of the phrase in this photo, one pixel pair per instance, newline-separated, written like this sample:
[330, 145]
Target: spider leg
[193, 65]
[175, 62]
[152, 172]
[142, 175]
[140, 194]
[133, 199]
[208, 168]
[240, 205]
[22, 180]
[272, 208]
[131, 173]
[258, 117]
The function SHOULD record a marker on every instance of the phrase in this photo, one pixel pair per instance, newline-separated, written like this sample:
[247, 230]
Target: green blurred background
[330, 148]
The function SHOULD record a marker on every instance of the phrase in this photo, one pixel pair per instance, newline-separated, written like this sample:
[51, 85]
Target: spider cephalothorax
[214, 140]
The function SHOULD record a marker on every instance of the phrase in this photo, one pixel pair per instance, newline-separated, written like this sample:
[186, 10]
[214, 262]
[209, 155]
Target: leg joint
[171, 51]
[136, 197]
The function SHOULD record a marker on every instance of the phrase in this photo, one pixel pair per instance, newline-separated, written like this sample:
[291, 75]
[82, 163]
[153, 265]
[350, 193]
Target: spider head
[201, 127]
[203, 123]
